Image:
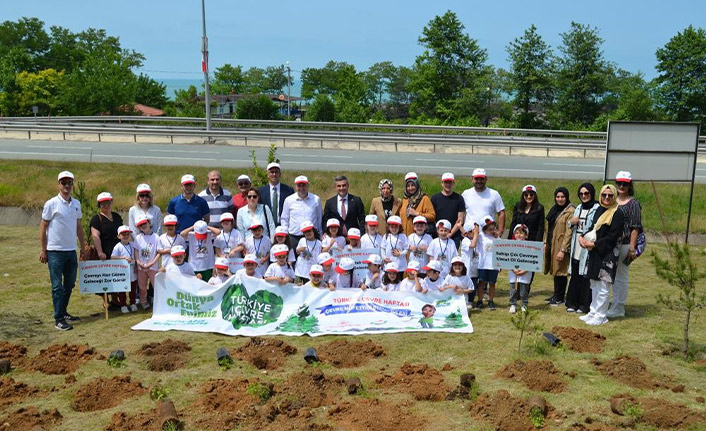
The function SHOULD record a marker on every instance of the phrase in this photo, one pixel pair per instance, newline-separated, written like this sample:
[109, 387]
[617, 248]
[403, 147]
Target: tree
[275, 80]
[682, 80]
[186, 104]
[256, 108]
[336, 79]
[581, 77]
[26, 35]
[628, 98]
[228, 79]
[377, 81]
[41, 89]
[530, 77]
[150, 92]
[399, 92]
[450, 68]
[322, 109]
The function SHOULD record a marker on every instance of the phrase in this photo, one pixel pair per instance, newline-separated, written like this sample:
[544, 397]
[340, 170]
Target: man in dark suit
[274, 193]
[348, 209]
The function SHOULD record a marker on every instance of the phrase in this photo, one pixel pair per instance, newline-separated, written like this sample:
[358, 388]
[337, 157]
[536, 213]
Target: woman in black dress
[529, 212]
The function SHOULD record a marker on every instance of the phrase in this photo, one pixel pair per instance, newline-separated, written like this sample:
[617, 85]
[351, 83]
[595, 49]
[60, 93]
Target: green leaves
[242, 309]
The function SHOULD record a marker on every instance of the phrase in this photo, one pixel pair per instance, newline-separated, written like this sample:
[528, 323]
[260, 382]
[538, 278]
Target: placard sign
[523, 255]
[358, 255]
[104, 276]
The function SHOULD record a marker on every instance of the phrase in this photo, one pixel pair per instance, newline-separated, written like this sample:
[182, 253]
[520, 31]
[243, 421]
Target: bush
[322, 109]
[256, 108]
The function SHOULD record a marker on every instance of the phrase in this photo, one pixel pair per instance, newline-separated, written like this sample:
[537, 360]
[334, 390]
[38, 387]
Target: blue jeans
[62, 264]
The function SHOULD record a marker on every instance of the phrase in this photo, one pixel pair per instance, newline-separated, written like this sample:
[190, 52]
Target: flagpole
[204, 66]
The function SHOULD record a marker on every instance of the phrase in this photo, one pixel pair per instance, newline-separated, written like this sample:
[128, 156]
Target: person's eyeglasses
[528, 194]
[144, 195]
[622, 184]
[584, 193]
[606, 195]
[252, 196]
[66, 182]
[243, 184]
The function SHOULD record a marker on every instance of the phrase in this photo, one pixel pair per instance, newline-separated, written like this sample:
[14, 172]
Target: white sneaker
[524, 308]
[513, 309]
[146, 305]
[597, 321]
[124, 309]
[587, 317]
[570, 310]
[133, 307]
[615, 311]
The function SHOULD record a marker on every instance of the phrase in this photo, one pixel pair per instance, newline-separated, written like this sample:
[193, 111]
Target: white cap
[244, 178]
[145, 188]
[201, 227]
[434, 265]
[458, 259]
[392, 267]
[522, 227]
[354, 233]
[105, 196]
[371, 219]
[221, 263]
[301, 179]
[374, 259]
[346, 264]
[123, 229]
[411, 176]
[479, 172]
[177, 250]
[188, 178]
[412, 266]
[316, 269]
[529, 188]
[250, 258]
[324, 259]
[306, 225]
[170, 219]
[419, 219]
[394, 220]
[486, 220]
[333, 222]
[448, 176]
[256, 222]
[624, 176]
[281, 231]
[273, 165]
[65, 174]
[141, 219]
[445, 223]
[468, 226]
[280, 249]
[227, 216]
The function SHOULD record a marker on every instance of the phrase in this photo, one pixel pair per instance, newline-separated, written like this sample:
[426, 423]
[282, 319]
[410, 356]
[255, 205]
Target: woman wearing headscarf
[415, 203]
[558, 242]
[578, 296]
[529, 212]
[602, 244]
[386, 205]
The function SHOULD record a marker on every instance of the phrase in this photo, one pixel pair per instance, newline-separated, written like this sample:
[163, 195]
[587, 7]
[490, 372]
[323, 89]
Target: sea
[174, 84]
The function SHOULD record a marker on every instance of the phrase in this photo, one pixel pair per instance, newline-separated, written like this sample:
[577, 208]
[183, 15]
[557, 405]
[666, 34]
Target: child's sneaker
[491, 305]
[513, 309]
[133, 307]
[479, 305]
[524, 309]
[124, 309]
[146, 305]
[587, 317]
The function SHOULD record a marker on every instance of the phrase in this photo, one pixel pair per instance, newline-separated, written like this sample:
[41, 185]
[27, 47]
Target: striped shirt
[218, 204]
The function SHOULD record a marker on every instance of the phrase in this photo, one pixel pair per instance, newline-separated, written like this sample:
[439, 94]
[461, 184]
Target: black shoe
[491, 305]
[555, 302]
[70, 318]
[61, 325]
[479, 305]
[549, 299]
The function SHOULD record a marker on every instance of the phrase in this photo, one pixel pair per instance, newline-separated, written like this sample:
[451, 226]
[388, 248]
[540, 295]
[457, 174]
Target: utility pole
[204, 66]
[289, 92]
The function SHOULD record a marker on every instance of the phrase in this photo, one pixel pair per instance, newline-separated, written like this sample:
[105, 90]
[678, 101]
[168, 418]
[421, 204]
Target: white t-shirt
[470, 257]
[201, 256]
[291, 257]
[373, 284]
[185, 268]
[277, 270]
[580, 230]
[62, 216]
[226, 241]
[216, 279]
[392, 287]
[166, 243]
[328, 274]
[240, 275]
[408, 285]
[524, 278]
[395, 242]
[147, 246]
[485, 250]
[429, 284]
[340, 242]
[367, 241]
[345, 281]
[307, 257]
[261, 248]
[321, 286]
[122, 251]
[487, 202]
[464, 281]
[418, 255]
[443, 251]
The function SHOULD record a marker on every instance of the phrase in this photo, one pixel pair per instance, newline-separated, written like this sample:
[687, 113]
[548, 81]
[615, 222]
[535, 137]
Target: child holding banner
[222, 274]
[409, 284]
[433, 280]
[146, 256]
[345, 277]
[249, 269]
[392, 278]
[394, 243]
[470, 255]
[458, 279]
[316, 278]
[179, 263]
[229, 243]
[308, 250]
[520, 281]
[487, 275]
[326, 262]
[331, 239]
[419, 243]
[126, 250]
[371, 239]
[169, 239]
[443, 248]
[280, 272]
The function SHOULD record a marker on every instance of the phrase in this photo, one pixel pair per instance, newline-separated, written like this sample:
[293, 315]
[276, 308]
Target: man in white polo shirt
[300, 207]
[60, 225]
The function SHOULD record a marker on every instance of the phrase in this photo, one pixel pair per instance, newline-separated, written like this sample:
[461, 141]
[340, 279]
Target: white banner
[251, 306]
[358, 255]
[523, 255]
[103, 276]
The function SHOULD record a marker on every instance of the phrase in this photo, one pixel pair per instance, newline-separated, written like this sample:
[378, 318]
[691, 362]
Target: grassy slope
[30, 183]
[24, 297]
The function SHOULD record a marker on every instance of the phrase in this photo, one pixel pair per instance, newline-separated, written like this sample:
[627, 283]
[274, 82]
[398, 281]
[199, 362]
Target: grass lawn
[649, 330]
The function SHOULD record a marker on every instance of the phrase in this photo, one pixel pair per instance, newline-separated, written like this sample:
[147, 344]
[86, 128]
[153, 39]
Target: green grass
[646, 333]
[30, 183]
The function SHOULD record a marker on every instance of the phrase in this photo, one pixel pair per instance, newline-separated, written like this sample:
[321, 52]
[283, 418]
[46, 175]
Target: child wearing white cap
[282, 237]
[179, 263]
[345, 277]
[316, 278]
[222, 274]
[409, 284]
[146, 257]
[469, 254]
[308, 250]
[353, 239]
[520, 280]
[169, 239]
[419, 243]
[200, 238]
[249, 269]
[458, 278]
[487, 274]
[332, 238]
[126, 250]
[371, 238]
[373, 278]
[280, 272]
[326, 262]
[394, 243]
[443, 248]
[259, 245]
[433, 280]
[392, 278]
[229, 243]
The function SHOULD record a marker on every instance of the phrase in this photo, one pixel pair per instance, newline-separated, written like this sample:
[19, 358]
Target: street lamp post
[204, 65]
[289, 90]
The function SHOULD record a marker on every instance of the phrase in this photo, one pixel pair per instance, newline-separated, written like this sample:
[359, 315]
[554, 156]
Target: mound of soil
[106, 393]
[342, 353]
[62, 358]
[264, 353]
[15, 353]
[312, 389]
[662, 414]
[630, 371]
[580, 340]
[536, 375]
[368, 414]
[506, 412]
[225, 403]
[12, 392]
[122, 421]
[422, 381]
[165, 356]
[30, 419]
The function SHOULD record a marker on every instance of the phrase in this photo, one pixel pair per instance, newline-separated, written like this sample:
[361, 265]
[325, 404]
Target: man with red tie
[347, 208]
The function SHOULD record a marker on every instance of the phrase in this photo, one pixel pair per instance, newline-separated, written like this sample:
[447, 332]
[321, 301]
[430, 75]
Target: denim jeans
[62, 273]
[522, 292]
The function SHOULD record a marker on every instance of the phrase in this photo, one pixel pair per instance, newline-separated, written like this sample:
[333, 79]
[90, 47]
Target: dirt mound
[165, 356]
[580, 340]
[536, 375]
[312, 389]
[506, 412]
[121, 421]
[12, 392]
[662, 414]
[365, 415]
[264, 353]
[106, 393]
[15, 353]
[224, 404]
[62, 358]
[630, 371]
[342, 353]
[422, 381]
[30, 419]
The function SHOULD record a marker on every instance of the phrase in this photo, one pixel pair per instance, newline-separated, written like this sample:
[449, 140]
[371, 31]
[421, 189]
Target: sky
[309, 33]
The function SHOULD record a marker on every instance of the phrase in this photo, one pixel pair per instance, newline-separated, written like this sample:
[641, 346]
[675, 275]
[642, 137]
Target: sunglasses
[527, 193]
[144, 195]
[584, 193]
[252, 196]
[622, 184]
[606, 195]
[66, 182]
[243, 184]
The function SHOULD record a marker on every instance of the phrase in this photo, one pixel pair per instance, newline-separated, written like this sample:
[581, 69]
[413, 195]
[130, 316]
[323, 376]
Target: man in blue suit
[274, 193]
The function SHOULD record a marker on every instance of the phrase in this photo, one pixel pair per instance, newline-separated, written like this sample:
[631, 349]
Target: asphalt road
[308, 159]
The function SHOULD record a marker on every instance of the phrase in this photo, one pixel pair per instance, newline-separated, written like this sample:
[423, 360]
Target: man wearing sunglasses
[60, 225]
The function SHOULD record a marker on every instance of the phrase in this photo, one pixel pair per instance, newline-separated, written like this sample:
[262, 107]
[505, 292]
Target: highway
[307, 159]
